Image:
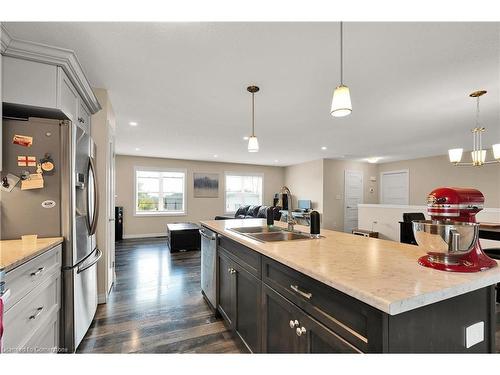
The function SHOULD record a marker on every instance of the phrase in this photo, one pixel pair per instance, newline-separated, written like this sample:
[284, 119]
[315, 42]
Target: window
[242, 189]
[160, 192]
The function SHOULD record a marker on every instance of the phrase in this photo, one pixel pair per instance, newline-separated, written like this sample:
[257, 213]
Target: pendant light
[253, 143]
[478, 154]
[341, 102]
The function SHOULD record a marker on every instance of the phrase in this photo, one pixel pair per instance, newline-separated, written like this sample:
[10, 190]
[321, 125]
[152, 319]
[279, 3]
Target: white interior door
[353, 195]
[394, 187]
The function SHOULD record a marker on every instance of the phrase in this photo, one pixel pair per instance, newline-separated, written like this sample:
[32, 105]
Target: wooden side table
[183, 236]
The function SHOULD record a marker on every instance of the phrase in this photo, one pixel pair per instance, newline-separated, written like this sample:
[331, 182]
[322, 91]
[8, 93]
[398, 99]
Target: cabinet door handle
[296, 289]
[37, 313]
[80, 119]
[37, 272]
[233, 271]
[294, 323]
[300, 331]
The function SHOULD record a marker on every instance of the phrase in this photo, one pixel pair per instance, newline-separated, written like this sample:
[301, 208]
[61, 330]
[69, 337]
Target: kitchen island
[345, 293]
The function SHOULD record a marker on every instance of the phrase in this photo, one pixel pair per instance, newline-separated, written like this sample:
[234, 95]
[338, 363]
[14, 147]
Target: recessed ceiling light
[324, 148]
[245, 138]
[137, 149]
[276, 161]
[216, 156]
[133, 123]
[372, 160]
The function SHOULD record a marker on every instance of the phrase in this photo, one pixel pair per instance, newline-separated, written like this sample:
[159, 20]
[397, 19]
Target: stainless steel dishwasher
[208, 266]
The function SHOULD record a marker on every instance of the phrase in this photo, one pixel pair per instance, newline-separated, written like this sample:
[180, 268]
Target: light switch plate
[474, 334]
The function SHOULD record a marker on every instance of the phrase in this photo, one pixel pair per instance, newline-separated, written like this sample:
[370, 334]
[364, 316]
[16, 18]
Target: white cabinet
[42, 86]
[29, 83]
[68, 99]
[31, 318]
[83, 116]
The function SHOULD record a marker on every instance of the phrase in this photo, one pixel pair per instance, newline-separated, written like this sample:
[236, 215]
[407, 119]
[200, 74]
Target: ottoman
[183, 236]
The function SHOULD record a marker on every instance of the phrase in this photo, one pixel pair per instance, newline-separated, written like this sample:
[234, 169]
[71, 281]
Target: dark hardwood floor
[156, 306]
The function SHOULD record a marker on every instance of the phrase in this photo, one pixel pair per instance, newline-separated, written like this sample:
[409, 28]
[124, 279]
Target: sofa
[252, 212]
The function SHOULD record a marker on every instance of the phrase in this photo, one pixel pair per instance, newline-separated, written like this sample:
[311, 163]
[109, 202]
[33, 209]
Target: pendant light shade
[478, 154]
[253, 143]
[496, 151]
[455, 155]
[341, 102]
[478, 157]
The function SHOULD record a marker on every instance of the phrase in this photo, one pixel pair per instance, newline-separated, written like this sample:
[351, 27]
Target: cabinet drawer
[247, 258]
[26, 318]
[341, 313]
[46, 339]
[25, 278]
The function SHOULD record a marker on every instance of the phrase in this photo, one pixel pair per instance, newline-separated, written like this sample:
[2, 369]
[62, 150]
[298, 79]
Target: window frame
[235, 173]
[184, 212]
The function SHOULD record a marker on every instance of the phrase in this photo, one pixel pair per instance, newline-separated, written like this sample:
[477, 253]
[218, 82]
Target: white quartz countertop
[383, 274]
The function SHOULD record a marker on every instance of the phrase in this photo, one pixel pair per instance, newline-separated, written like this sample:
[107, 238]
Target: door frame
[346, 171]
[381, 189]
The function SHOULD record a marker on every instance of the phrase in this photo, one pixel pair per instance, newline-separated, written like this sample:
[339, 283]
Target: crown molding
[64, 58]
[5, 39]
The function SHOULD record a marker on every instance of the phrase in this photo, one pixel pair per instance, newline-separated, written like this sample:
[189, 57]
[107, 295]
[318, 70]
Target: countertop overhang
[383, 274]
[14, 253]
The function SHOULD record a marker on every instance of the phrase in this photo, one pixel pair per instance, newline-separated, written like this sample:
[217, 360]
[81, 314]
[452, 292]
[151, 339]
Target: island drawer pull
[37, 313]
[296, 289]
[37, 272]
[300, 331]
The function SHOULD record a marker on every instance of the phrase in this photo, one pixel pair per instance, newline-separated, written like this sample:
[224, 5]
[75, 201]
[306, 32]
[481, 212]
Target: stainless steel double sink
[270, 234]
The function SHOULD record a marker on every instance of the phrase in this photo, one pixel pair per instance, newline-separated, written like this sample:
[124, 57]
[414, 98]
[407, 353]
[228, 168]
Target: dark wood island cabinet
[273, 308]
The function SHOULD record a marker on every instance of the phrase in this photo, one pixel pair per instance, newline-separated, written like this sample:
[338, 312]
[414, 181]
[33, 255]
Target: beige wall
[197, 208]
[429, 173]
[102, 126]
[333, 194]
[322, 181]
[305, 181]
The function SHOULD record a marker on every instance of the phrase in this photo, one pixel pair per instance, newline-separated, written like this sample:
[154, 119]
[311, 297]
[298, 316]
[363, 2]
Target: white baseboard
[102, 298]
[144, 235]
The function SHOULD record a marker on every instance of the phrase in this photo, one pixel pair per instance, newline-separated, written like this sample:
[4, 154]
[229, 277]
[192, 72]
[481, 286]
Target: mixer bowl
[445, 241]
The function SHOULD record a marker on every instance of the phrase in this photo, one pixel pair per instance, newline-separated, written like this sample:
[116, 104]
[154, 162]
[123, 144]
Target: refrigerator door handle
[95, 214]
[84, 267]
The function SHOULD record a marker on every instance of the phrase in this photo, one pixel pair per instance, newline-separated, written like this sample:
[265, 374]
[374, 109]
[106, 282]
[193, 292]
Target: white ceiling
[185, 84]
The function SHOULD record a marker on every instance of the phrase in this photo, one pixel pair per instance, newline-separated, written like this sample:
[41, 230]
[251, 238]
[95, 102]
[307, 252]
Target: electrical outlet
[474, 334]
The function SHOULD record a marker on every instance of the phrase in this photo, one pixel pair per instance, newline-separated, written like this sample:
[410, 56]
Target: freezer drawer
[80, 296]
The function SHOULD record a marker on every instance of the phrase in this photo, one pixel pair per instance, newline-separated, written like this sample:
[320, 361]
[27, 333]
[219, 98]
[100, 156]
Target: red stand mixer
[451, 238]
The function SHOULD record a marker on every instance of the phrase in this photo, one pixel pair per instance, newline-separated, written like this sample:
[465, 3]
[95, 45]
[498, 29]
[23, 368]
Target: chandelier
[478, 154]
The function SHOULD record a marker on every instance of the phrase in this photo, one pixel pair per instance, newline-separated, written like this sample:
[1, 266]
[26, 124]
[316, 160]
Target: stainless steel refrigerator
[66, 206]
